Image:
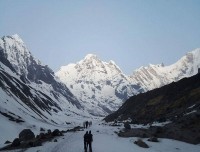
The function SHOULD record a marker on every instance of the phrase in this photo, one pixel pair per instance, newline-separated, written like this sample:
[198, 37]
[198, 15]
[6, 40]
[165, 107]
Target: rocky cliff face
[169, 102]
[177, 105]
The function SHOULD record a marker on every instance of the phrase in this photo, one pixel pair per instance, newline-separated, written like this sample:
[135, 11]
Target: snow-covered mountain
[91, 85]
[155, 76]
[99, 85]
[102, 87]
[30, 92]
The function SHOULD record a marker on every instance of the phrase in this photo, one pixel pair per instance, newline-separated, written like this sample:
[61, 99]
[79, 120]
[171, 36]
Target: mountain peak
[17, 53]
[195, 51]
[17, 38]
[90, 56]
[112, 62]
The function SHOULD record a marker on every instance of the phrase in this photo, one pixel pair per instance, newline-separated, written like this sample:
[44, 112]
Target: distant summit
[155, 76]
[93, 85]
[17, 38]
[103, 87]
[90, 56]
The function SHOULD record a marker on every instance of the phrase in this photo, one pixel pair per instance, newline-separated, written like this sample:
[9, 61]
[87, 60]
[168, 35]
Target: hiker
[86, 123]
[86, 141]
[89, 141]
[90, 123]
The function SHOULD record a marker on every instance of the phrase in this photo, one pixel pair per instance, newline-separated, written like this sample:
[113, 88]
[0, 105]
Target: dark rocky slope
[168, 102]
[178, 102]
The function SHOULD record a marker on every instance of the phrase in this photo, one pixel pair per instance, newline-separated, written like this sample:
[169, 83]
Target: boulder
[141, 143]
[56, 132]
[26, 134]
[42, 129]
[49, 131]
[127, 126]
[7, 142]
[16, 142]
[153, 139]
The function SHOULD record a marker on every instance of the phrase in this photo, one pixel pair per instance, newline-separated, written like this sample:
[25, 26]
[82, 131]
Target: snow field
[105, 140]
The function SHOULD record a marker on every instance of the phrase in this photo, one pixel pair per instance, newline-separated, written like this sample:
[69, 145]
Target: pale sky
[132, 33]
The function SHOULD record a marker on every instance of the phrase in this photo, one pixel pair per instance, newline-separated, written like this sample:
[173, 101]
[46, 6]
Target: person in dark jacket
[90, 140]
[86, 137]
[86, 124]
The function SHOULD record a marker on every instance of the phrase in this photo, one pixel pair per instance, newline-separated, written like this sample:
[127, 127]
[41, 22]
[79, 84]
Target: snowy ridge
[35, 105]
[17, 53]
[102, 87]
[155, 76]
[30, 94]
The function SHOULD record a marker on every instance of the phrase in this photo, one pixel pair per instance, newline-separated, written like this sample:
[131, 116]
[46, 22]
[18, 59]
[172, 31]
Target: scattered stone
[56, 132]
[63, 131]
[77, 128]
[115, 125]
[7, 142]
[127, 126]
[27, 139]
[49, 131]
[153, 139]
[26, 134]
[141, 143]
[42, 129]
[42, 136]
[35, 143]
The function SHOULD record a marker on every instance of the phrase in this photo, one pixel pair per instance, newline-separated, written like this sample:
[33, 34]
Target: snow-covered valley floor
[105, 140]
